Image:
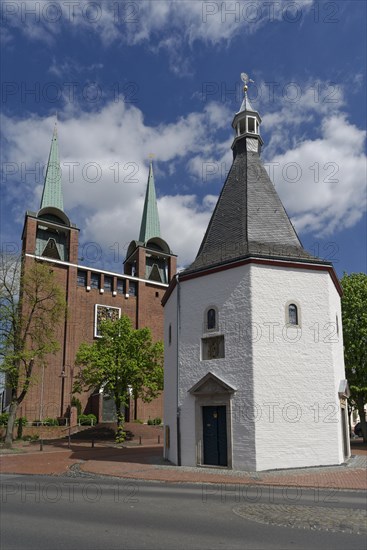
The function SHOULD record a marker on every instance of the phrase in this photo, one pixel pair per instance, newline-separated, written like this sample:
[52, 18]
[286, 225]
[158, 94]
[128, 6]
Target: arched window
[292, 314]
[211, 319]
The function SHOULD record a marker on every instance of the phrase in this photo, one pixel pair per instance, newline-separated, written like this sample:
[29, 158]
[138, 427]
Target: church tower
[150, 257]
[49, 233]
[254, 370]
[49, 236]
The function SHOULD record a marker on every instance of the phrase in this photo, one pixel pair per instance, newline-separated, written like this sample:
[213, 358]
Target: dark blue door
[215, 435]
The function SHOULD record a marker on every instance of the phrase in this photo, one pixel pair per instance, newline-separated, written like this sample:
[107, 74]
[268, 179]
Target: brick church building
[92, 295]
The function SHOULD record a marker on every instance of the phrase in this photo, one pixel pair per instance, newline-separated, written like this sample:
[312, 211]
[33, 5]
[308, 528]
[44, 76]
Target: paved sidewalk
[146, 463]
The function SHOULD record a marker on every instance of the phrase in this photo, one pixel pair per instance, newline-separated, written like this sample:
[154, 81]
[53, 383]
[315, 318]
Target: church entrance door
[215, 435]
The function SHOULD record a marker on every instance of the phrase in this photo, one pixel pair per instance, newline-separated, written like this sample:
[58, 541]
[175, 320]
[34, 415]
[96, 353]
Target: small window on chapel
[292, 314]
[211, 319]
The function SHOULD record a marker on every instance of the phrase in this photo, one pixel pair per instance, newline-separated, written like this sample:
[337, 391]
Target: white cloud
[112, 147]
[322, 182]
[71, 67]
[164, 23]
[290, 105]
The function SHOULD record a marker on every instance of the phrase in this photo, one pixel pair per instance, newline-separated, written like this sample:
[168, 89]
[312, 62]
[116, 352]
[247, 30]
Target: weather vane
[246, 79]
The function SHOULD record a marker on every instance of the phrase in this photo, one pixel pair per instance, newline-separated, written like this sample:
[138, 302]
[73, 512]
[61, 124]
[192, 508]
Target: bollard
[92, 443]
[139, 439]
[41, 444]
[159, 439]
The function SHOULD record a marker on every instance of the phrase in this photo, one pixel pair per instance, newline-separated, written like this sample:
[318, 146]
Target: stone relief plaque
[103, 313]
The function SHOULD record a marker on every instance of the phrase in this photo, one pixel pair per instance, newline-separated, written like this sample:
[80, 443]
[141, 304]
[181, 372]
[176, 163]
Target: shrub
[75, 402]
[120, 435]
[21, 421]
[155, 421]
[50, 422]
[87, 419]
[4, 419]
[83, 420]
[93, 418]
[34, 437]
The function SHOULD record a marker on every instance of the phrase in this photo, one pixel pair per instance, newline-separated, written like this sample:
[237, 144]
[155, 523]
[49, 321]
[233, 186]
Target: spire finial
[246, 105]
[55, 127]
[246, 79]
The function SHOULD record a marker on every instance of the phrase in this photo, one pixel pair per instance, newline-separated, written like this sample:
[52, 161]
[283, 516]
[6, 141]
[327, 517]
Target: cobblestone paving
[356, 461]
[146, 462]
[344, 520]
[75, 471]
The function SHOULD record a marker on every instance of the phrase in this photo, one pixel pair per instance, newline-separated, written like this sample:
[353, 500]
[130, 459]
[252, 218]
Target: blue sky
[129, 79]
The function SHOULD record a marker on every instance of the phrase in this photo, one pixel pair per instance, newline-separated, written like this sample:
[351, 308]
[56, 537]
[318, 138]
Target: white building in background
[4, 397]
[254, 369]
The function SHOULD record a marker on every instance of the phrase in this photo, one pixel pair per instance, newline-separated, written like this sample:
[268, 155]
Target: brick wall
[50, 392]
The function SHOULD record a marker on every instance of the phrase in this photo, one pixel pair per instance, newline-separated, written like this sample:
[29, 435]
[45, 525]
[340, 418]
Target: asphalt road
[50, 513]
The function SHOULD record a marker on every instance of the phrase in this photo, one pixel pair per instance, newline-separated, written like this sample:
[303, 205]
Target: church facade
[92, 295]
[254, 368]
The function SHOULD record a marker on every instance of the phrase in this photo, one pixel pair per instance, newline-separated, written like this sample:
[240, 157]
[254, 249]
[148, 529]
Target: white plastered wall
[170, 377]
[287, 379]
[296, 370]
[229, 292]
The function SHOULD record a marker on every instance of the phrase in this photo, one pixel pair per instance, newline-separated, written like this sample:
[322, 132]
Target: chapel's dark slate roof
[249, 218]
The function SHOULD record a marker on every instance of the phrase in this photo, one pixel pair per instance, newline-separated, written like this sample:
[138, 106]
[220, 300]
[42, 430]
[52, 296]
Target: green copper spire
[150, 222]
[52, 192]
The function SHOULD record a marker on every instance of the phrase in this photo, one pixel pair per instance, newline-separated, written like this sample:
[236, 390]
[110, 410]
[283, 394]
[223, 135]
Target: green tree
[32, 305]
[123, 360]
[354, 310]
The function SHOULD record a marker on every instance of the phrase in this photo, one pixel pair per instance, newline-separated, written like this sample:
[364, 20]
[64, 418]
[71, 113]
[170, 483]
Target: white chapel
[254, 368]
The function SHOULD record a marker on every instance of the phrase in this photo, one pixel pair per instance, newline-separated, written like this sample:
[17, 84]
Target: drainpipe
[65, 347]
[178, 437]
[178, 370]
